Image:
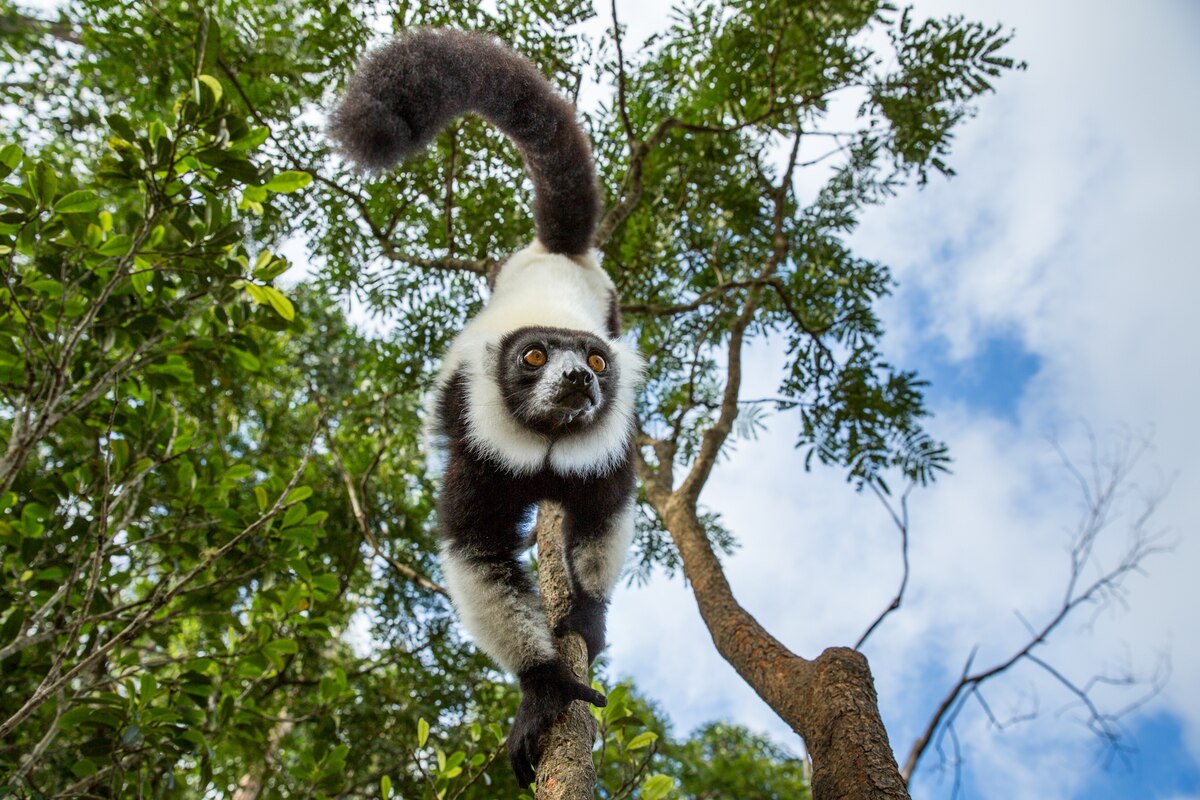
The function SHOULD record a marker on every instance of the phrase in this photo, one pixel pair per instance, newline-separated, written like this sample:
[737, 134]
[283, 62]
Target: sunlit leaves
[287, 182]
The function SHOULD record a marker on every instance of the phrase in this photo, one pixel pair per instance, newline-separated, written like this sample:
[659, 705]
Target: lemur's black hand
[546, 691]
[585, 617]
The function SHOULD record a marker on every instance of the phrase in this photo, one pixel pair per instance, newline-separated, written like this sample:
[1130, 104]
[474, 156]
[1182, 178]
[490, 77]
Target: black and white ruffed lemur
[535, 399]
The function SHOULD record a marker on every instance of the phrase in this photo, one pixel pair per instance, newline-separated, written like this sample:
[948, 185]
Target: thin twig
[901, 522]
[364, 526]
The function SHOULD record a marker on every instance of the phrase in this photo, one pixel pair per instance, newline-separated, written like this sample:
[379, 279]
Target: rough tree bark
[566, 771]
[829, 701]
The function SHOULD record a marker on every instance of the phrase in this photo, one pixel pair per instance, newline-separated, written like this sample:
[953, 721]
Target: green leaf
[117, 245]
[256, 292]
[283, 307]
[643, 739]
[121, 127]
[290, 181]
[81, 201]
[385, 788]
[247, 361]
[10, 159]
[254, 194]
[142, 279]
[294, 515]
[657, 787]
[276, 650]
[298, 494]
[250, 141]
[422, 732]
[44, 183]
[325, 584]
[212, 83]
[148, 687]
[238, 472]
[132, 737]
[48, 287]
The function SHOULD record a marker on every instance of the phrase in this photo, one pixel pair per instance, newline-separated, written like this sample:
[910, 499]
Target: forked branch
[1101, 491]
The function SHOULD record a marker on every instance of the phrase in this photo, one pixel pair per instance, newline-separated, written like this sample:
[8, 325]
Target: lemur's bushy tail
[403, 94]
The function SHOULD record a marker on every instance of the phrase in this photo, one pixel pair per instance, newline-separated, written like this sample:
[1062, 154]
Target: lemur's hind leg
[597, 531]
[480, 515]
[480, 519]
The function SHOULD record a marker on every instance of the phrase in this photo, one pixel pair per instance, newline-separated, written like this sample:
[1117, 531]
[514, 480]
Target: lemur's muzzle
[577, 392]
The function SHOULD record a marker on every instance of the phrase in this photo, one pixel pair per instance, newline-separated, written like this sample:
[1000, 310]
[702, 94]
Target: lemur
[535, 398]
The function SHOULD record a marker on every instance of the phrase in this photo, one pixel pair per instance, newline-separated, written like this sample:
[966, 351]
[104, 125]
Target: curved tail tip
[370, 133]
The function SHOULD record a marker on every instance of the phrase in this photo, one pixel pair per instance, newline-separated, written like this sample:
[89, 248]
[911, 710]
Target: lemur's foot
[585, 617]
[546, 691]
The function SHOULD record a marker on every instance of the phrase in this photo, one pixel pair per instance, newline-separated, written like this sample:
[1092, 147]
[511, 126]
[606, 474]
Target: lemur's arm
[403, 94]
[597, 532]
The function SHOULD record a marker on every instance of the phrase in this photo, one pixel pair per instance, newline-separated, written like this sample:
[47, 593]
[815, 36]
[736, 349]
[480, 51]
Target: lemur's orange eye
[596, 362]
[535, 357]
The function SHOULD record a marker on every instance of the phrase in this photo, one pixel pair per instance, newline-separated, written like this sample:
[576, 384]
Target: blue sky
[1048, 290]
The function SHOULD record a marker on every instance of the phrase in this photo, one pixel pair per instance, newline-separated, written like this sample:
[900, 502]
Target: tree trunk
[566, 771]
[251, 784]
[829, 701]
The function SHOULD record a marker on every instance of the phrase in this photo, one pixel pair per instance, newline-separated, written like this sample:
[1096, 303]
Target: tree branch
[1099, 494]
[15, 24]
[714, 438]
[830, 701]
[364, 526]
[566, 771]
[901, 522]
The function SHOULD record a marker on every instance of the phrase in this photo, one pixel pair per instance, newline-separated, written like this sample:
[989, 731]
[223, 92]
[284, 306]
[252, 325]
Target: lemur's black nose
[578, 378]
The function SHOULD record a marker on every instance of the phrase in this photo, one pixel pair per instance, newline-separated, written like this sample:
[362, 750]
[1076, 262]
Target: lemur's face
[555, 381]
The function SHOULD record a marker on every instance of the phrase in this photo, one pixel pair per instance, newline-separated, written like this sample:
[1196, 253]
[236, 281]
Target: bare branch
[1099, 492]
[621, 105]
[901, 522]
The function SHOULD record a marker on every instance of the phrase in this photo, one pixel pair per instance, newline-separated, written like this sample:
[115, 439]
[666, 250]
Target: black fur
[403, 94]
[545, 691]
[613, 323]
